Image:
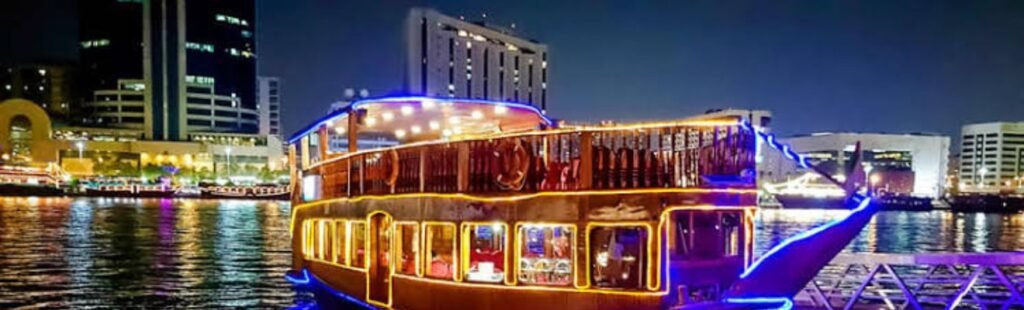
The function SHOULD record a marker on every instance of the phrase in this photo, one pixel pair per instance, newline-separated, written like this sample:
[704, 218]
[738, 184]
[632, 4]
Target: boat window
[440, 241]
[545, 254]
[618, 257]
[407, 243]
[307, 238]
[704, 235]
[486, 252]
[324, 239]
[357, 232]
[340, 242]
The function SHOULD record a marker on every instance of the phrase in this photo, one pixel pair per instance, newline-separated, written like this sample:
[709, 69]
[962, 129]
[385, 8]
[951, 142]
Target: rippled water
[132, 253]
[129, 253]
[904, 232]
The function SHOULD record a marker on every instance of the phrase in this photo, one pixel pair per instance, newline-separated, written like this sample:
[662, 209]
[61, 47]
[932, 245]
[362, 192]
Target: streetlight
[81, 146]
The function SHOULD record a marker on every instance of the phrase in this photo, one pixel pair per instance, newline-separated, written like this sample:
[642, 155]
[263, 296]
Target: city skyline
[868, 67]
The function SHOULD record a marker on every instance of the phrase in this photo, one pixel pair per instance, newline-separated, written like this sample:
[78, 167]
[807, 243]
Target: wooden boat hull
[410, 293]
[343, 284]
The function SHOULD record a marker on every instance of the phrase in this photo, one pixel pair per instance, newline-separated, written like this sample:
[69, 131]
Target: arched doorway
[379, 271]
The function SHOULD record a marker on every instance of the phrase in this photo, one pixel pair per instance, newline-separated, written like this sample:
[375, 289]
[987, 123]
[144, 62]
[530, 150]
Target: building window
[208, 48]
[407, 243]
[487, 255]
[618, 256]
[95, 43]
[546, 254]
[357, 231]
[440, 241]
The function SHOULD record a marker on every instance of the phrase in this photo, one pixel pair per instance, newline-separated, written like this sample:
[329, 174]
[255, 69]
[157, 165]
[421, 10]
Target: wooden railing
[558, 160]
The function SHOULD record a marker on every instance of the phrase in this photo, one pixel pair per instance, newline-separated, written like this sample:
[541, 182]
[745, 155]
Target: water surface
[153, 253]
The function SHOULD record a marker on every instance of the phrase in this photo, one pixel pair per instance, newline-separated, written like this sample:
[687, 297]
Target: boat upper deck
[482, 148]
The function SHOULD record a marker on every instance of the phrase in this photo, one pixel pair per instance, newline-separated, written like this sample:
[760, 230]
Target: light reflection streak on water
[141, 253]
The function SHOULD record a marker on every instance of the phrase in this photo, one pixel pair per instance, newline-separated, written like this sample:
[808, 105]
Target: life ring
[391, 164]
[513, 164]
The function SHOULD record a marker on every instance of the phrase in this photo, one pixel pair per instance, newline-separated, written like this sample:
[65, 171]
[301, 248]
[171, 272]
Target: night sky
[912, 66]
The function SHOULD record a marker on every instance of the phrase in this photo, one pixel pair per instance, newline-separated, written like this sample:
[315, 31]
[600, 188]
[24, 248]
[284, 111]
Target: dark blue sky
[896, 66]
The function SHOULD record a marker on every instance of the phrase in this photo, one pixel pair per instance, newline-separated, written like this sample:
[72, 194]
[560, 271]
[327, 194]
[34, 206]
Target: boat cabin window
[340, 242]
[407, 242]
[545, 254]
[486, 252]
[706, 235]
[618, 257]
[357, 232]
[324, 239]
[440, 245]
[307, 238]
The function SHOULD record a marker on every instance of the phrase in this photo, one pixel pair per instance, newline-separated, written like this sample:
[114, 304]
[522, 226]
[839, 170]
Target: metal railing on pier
[918, 281]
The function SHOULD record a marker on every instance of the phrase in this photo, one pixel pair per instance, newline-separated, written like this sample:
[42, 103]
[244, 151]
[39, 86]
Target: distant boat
[271, 192]
[987, 203]
[884, 201]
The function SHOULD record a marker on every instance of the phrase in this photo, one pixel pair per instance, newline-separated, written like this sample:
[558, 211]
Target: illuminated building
[992, 157]
[191, 68]
[912, 164]
[451, 57]
[28, 138]
[49, 85]
[268, 96]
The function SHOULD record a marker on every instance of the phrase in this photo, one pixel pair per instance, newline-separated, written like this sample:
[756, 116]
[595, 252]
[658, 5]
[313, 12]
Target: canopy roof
[413, 119]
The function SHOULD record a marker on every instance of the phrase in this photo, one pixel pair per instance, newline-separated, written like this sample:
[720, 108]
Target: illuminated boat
[492, 205]
[122, 190]
[247, 192]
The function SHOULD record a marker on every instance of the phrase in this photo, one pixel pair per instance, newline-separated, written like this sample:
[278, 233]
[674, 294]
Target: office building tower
[451, 57]
[268, 97]
[170, 67]
[992, 157]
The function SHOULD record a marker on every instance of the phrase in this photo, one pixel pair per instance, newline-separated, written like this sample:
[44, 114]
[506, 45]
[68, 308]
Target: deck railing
[557, 160]
[918, 281]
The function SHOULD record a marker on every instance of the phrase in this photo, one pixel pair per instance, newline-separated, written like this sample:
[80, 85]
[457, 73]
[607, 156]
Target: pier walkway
[918, 281]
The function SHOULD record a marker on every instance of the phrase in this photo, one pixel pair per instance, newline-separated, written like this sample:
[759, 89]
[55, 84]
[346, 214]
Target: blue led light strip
[306, 279]
[775, 144]
[783, 302]
[864, 203]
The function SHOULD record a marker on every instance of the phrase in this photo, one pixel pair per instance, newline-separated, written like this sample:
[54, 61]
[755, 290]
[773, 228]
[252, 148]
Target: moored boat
[992, 203]
[247, 192]
[490, 205]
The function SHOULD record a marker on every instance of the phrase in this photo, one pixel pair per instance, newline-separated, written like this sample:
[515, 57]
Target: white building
[992, 157]
[268, 98]
[926, 155]
[450, 57]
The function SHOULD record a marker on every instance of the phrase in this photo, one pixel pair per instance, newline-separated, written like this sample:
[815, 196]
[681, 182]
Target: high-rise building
[992, 157]
[268, 97]
[49, 85]
[170, 67]
[450, 57]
